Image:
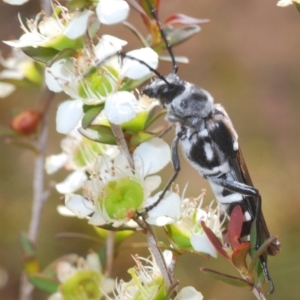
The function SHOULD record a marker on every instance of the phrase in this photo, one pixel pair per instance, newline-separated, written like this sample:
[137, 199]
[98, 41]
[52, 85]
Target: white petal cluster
[78, 156]
[189, 225]
[46, 33]
[107, 171]
[67, 75]
[147, 283]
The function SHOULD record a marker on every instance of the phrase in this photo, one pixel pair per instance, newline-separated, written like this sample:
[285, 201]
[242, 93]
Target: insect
[210, 144]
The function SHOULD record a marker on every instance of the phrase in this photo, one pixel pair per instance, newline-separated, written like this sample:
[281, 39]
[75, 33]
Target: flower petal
[6, 89]
[201, 243]
[151, 156]
[133, 69]
[26, 40]
[284, 3]
[16, 2]
[112, 11]
[189, 293]
[59, 75]
[97, 220]
[64, 211]
[78, 26]
[72, 183]
[167, 211]
[80, 206]
[121, 107]
[55, 162]
[151, 183]
[69, 113]
[93, 262]
[108, 45]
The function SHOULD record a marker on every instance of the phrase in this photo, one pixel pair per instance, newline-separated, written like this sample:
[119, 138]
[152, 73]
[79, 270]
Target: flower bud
[26, 122]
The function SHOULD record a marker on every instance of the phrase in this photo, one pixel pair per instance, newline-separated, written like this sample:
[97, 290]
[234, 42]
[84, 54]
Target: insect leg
[176, 166]
[247, 190]
[234, 186]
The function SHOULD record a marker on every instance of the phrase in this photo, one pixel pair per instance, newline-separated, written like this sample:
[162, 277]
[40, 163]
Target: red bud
[26, 122]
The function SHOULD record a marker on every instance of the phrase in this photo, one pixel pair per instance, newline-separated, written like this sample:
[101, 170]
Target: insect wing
[274, 248]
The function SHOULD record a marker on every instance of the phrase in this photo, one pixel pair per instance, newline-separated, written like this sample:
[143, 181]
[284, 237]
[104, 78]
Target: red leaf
[214, 240]
[235, 226]
[239, 256]
[183, 19]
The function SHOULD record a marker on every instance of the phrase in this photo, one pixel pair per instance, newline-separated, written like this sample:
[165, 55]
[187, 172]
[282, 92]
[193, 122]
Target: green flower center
[122, 198]
[83, 285]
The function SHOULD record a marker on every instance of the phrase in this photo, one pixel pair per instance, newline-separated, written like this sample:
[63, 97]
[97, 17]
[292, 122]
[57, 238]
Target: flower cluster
[147, 283]
[112, 144]
[187, 234]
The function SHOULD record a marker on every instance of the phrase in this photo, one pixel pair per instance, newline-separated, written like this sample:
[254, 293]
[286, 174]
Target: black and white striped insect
[210, 144]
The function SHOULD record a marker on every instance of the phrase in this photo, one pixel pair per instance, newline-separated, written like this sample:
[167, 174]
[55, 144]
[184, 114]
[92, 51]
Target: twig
[118, 133]
[110, 242]
[257, 294]
[38, 188]
[158, 256]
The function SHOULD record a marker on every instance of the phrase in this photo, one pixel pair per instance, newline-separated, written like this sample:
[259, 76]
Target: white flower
[68, 115]
[133, 69]
[188, 293]
[79, 155]
[81, 278]
[187, 232]
[167, 211]
[112, 11]
[56, 32]
[284, 3]
[115, 191]
[68, 74]
[148, 283]
[121, 107]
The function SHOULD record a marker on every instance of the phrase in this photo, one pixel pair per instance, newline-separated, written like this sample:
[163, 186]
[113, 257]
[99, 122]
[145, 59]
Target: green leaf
[139, 138]
[65, 53]
[261, 250]
[27, 246]
[148, 5]
[232, 280]
[99, 133]
[41, 54]
[130, 84]
[78, 4]
[91, 112]
[22, 143]
[44, 283]
[177, 36]
[297, 6]
[152, 118]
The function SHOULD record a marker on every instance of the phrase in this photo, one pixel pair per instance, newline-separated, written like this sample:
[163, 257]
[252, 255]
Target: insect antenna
[163, 36]
[124, 55]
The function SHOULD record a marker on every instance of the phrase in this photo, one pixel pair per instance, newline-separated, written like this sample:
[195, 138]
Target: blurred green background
[248, 58]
